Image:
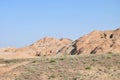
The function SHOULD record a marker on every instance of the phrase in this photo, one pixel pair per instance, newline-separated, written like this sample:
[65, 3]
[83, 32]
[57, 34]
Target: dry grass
[77, 67]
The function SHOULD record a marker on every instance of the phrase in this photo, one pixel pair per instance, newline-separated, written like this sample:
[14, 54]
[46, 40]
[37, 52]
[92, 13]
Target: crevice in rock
[73, 52]
[111, 36]
[60, 50]
[93, 51]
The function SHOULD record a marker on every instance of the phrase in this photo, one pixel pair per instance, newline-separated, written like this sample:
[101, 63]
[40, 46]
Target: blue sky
[23, 22]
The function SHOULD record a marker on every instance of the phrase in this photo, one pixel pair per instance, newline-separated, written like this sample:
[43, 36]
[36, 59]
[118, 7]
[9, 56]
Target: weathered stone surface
[45, 46]
[96, 42]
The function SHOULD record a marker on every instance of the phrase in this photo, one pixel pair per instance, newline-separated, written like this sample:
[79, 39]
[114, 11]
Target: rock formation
[95, 42]
[45, 46]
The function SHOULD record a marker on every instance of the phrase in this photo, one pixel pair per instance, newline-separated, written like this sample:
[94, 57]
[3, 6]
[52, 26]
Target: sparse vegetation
[88, 68]
[68, 68]
[52, 76]
[74, 79]
[52, 60]
[109, 57]
[17, 78]
[31, 69]
[94, 59]
[62, 58]
[110, 53]
[8, 61]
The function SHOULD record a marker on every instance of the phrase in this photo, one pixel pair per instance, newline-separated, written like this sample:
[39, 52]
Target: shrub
[52, 60]
[109, 57]
[61, 58]
[110, 53]
[94, 59]
[88, 68]
[74, 79]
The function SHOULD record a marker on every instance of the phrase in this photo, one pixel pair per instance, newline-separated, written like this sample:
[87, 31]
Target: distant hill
[96, 42]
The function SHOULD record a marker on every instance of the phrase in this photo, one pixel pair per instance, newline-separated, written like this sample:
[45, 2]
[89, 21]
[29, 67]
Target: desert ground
[62, 67]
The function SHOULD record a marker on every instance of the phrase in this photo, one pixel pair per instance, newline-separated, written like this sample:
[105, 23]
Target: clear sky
[23, 22]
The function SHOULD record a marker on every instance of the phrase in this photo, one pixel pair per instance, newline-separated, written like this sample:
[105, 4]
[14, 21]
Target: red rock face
[97, 42]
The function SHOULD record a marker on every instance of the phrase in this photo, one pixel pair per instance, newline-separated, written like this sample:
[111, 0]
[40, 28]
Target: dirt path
[11, 67]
